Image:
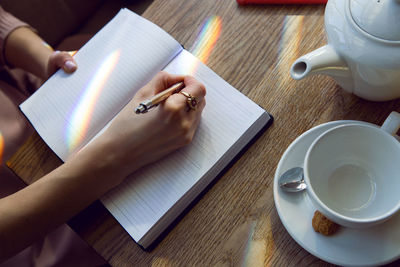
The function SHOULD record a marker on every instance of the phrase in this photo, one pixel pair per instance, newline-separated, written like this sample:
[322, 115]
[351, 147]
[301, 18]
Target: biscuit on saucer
[323, 225]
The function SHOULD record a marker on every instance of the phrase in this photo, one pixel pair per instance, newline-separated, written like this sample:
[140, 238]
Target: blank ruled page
[162, 190]
[68, 110]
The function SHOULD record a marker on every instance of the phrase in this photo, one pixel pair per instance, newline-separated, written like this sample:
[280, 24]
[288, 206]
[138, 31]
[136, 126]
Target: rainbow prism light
[1, 147]
[207, 38]
[82, 113]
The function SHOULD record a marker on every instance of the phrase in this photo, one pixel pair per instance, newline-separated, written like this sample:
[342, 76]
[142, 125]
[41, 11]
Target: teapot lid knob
[380, 18]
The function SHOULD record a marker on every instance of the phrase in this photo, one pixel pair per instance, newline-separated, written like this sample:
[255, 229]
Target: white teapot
[363, 50]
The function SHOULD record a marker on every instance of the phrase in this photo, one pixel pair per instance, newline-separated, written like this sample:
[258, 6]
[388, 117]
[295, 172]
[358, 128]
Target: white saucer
[351, 247]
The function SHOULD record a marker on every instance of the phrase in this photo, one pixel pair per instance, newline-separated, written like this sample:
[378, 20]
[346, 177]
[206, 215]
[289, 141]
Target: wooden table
[235, 222]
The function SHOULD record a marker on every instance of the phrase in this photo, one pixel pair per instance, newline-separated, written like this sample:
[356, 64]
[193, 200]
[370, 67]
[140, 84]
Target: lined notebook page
[150, 194]
[68, 110]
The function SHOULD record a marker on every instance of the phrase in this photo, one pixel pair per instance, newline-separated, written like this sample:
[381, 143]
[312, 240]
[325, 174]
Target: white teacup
[352, 173]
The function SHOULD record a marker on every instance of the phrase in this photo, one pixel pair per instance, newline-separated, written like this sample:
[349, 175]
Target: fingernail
[69, 66]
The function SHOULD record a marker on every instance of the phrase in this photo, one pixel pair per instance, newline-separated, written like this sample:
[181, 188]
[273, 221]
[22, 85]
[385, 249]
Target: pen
[158, 98]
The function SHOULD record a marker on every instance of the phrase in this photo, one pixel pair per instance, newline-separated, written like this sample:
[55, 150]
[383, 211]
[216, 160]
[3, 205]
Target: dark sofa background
[58, 20]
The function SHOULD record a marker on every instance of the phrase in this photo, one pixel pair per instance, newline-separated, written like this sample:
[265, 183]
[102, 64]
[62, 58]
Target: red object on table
[247, 2]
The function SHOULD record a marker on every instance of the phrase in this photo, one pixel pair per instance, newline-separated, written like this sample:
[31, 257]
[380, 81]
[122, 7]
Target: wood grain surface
[235, 222]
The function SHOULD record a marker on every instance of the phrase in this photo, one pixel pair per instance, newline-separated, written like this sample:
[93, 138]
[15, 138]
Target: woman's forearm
[26, 50]
[31, 212]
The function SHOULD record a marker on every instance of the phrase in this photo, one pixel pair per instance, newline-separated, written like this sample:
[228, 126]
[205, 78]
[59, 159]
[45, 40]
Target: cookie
[323, 225]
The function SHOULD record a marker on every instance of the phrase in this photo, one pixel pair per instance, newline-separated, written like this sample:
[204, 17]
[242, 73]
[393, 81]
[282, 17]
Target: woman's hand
[60, 60]
[134, 140]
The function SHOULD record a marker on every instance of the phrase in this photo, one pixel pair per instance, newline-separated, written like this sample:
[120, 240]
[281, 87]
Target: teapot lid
[380, 18]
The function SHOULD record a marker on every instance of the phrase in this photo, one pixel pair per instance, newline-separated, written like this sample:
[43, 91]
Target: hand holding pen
[137, 140]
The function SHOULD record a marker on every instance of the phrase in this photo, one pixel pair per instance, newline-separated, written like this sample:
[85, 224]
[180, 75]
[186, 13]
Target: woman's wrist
[100, 161]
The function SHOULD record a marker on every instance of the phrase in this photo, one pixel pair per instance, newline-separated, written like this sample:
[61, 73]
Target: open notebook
[68, 111]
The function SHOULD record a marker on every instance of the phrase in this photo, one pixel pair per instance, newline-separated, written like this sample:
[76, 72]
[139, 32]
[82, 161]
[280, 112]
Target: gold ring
[191, 101]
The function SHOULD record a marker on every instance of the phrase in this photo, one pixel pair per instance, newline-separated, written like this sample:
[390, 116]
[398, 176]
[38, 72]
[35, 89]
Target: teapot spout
[323, 60]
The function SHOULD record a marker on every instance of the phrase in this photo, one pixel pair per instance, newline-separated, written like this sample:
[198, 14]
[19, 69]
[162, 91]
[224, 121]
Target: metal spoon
[292, 180]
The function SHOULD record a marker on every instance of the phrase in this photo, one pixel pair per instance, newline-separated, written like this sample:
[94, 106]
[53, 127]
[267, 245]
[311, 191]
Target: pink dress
[62, 247]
